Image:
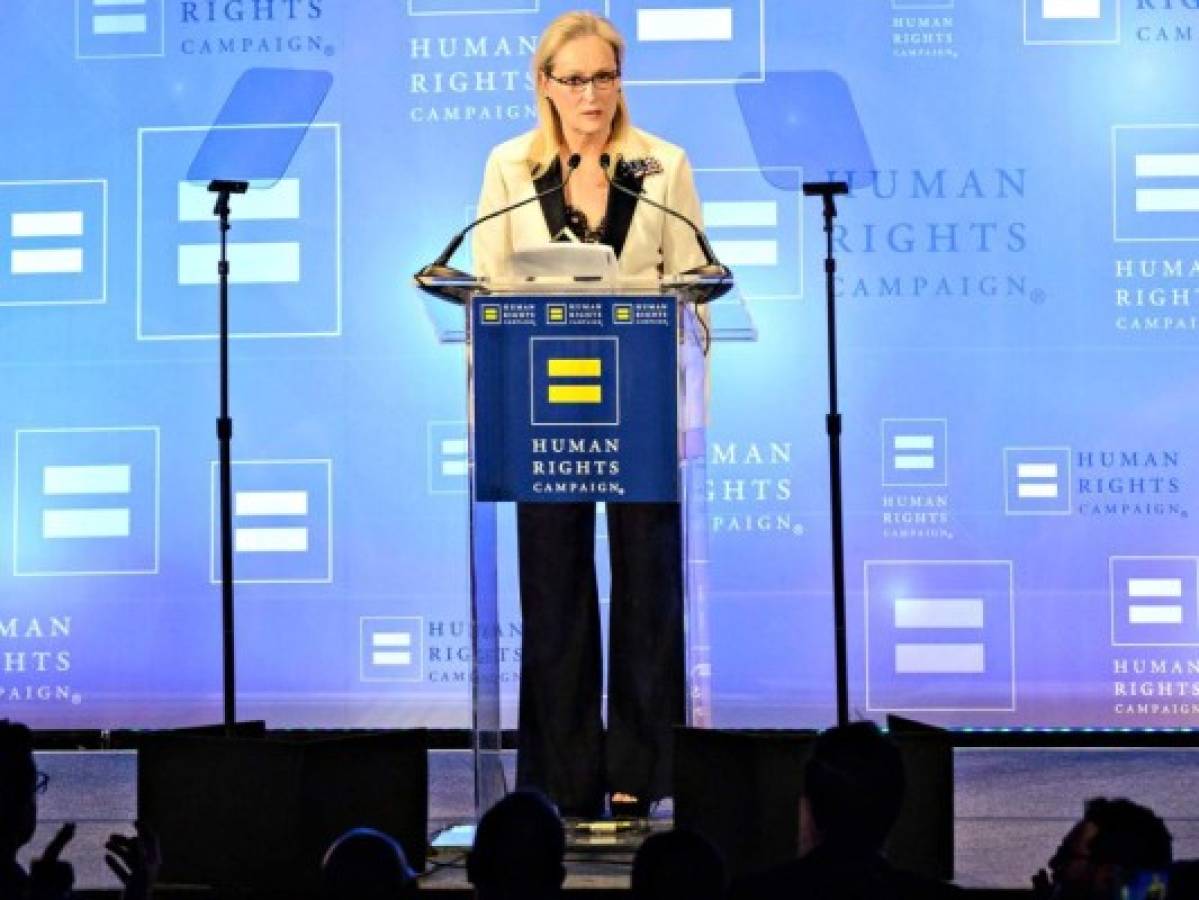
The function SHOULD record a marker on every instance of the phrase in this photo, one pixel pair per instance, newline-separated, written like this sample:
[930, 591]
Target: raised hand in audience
[134, 860]
[1042, 886]
[49, 877]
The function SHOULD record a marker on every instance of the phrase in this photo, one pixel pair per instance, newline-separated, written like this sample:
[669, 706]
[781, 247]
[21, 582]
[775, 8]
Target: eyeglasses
[41, 782]
[601, 81]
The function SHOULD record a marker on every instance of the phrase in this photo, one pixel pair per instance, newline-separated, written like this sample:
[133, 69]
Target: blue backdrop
[1018, 335]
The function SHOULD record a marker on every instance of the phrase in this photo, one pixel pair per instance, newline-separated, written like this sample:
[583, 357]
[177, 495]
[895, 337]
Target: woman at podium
[583, 120]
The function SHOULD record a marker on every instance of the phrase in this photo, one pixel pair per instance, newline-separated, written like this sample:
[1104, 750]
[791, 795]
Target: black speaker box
[741, 790]
[257, 810]
[922, 839]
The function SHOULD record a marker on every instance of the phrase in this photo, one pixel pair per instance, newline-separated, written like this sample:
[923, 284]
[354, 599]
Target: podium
[580, 391]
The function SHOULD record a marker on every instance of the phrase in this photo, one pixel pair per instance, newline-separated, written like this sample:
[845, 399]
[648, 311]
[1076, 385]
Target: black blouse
[612, 230]
[576, 221]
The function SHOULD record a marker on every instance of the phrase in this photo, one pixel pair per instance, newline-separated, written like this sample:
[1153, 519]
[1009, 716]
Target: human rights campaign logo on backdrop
[940, 635]
[1036, 481]
[574, 381]
[915, 452]
[391, 648]
[692, 41]
[447, 455]
[1071, 21]
[1155, 182]
[86, 501]
[53, 242]
[119, 29]
[924, 29]
[1155, 601]
[284, 242]
[467, 62]
[756, 229]
[282, 521]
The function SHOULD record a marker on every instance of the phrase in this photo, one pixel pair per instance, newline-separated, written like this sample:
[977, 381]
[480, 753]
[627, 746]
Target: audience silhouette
[1115, 845]
[678, 864]
[134, 860]
[853, 790]
[365, 864]
[19, 782]
[519, 848]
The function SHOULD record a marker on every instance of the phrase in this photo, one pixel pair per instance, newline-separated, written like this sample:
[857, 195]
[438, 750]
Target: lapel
[621, 208]
[553, 206]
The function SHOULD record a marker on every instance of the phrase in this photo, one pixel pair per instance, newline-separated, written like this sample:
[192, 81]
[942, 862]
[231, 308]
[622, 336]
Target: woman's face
[586, 110]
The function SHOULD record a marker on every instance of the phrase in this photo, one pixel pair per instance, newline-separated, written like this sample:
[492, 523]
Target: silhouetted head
[1113, 839]
[18, 788]
[679, 864]
[518, 850]
[853, 788]
[364, 864]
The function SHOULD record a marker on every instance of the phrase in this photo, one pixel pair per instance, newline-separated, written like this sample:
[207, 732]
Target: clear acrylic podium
[596, 362]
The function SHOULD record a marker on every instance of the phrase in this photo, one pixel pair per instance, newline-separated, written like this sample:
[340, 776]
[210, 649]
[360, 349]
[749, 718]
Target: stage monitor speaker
[258, 810]
[741, 790]
[922, 839]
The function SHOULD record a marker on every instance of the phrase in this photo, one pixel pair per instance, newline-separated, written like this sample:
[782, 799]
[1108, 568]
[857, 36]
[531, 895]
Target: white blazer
[656, 244]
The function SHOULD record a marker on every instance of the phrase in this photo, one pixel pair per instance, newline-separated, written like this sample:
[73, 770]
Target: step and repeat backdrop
[1018, 295]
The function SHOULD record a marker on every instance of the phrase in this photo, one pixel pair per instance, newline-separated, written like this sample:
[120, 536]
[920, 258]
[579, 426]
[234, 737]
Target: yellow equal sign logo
[580, 367]
[491, 314]
[622, 314]
[556, 314]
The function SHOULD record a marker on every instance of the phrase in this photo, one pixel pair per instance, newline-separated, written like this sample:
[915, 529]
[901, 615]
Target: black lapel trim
[553, 206]
[621, 208]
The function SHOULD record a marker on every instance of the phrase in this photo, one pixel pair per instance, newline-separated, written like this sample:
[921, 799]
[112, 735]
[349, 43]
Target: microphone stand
[713, 270]
[443, 280]
[224, 433]
[826, 190]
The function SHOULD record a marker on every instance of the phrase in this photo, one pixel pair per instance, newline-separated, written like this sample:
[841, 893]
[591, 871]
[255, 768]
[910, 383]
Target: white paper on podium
[590, 262]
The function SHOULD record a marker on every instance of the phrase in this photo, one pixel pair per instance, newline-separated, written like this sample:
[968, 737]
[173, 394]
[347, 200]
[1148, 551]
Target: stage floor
[1012, 808]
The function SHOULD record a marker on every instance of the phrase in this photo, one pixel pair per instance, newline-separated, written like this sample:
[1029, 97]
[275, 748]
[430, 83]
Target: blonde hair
[548, 139]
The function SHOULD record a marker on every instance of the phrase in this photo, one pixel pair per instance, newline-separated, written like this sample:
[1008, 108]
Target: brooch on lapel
[641, 167]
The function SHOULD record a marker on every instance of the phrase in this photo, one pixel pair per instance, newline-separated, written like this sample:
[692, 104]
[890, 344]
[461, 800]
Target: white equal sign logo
[724, 216]
[937, 658]
[914, 452]
[1155, 601]
[250, 262]
[687, 24]
[64, 260]
[1072, 9]
[391, 648]
[119, 17]
[453, 457]
[1037, 481]
[254, 538]
[86, 521]
[1174, 197]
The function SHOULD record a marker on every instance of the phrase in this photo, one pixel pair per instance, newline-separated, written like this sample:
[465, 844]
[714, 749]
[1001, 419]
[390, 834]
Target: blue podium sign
[575, 398]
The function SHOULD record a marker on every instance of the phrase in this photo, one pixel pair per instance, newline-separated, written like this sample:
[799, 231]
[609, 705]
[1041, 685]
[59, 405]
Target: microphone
[440, 267]
[713, 268]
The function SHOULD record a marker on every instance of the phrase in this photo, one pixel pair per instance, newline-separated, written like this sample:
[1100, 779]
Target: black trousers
[563, 748]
